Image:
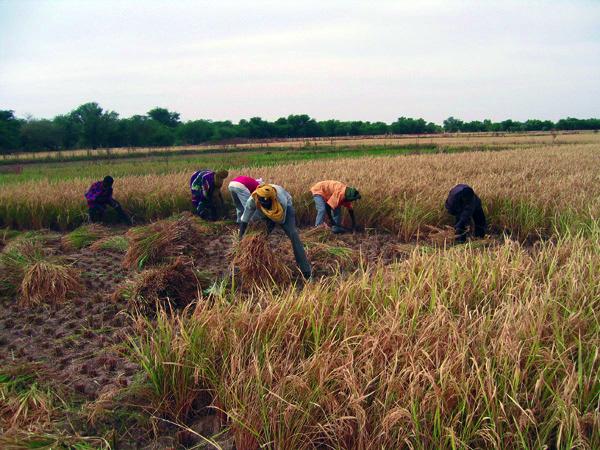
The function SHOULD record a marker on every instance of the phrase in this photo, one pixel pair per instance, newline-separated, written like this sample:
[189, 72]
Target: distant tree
[195, 132]
[407, 125]
[40, 135]
[160, 135]
[164, 116]
[452, 125]
[69, 129]
[9, 131]
[301, 125]
[98, 127]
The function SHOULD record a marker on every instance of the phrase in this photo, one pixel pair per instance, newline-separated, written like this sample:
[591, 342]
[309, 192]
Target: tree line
[90, 126]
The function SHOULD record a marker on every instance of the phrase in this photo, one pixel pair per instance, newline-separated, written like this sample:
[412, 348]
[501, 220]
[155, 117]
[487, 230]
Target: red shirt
[250, 183]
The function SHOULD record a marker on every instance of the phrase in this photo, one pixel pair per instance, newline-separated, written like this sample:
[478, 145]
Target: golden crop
[525, 190]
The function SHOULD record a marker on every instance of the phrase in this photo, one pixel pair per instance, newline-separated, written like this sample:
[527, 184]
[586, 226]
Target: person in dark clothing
[99, 196]
[465, 206]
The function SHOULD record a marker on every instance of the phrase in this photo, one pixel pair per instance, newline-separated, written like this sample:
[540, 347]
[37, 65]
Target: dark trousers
[207, 211]
[291, 230]
[96, 213]
[478, 219]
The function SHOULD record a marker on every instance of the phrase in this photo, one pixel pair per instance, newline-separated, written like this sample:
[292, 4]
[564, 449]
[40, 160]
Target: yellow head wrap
[267, 191]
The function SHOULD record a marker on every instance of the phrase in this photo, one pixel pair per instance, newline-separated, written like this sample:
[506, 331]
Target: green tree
[9, 131]
[195, 132]
[165, 117]
[69, 129]
[40, 135]
[98, 127]
[452, 125]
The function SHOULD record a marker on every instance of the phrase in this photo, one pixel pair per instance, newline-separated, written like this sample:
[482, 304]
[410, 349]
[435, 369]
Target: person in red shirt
[329, 197]
[240, 189]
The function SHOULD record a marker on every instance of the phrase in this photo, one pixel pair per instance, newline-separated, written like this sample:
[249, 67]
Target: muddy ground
[79, 346]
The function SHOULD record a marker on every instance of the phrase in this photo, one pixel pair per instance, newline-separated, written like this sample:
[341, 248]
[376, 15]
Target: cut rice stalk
[84, 236]
[256, 264]
[175, 284]
[48, 282]
[159, 241]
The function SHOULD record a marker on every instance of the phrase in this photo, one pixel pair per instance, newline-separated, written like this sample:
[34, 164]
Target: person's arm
[330, 215]
[249, 209]
[352, 218]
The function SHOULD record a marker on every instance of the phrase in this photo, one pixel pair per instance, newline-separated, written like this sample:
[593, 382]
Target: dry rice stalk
[176, 284]
[317, 234]
[439, 236]
[256, 264]
[48, 282]
[154, 243]
[331, 258]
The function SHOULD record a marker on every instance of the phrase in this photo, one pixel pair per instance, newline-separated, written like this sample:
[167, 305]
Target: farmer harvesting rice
[206, 193]
[98, 196]
[465, 206]
[274, 204]
[240, 189]
[329, 197]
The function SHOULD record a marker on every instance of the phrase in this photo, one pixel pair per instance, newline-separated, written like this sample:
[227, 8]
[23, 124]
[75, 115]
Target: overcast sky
[367, 60]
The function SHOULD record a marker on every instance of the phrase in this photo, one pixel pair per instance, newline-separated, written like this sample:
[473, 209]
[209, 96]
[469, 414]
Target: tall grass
[528, 191]
[456, 348]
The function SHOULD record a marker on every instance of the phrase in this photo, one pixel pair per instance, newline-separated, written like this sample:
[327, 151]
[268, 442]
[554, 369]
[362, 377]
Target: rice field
[445, 139]
[526, 191]
[167, 335]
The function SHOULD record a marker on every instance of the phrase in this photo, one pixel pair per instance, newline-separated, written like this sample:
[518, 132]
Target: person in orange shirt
[329, 197]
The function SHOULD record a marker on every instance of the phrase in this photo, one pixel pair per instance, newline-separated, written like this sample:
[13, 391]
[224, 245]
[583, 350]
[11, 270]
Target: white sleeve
[249, 209]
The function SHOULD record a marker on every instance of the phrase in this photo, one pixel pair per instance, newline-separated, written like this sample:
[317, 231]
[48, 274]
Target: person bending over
[240, 189]
[329, 197]
[465, 206]
[205, 186]
[99, 196]
[274, 204]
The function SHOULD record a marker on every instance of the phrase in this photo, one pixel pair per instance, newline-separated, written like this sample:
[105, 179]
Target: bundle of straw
[155, 243]
[255, 263]
[49, 282]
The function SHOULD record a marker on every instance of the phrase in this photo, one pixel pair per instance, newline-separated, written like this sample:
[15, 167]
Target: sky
[350, 60]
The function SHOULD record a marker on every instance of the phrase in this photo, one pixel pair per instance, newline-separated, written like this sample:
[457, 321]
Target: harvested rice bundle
[176, 284]
[15, 259]
[154, 243]
[48, 282]
[115, 243]
[84, 236]
[331, 258]
[316, 234]
[439, 236]
[255, 263]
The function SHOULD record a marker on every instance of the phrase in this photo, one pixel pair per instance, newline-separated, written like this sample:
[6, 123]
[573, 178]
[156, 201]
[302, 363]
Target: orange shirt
[333, 192]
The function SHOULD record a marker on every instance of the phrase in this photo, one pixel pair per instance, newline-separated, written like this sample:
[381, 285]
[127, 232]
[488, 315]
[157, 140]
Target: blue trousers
[320, 204]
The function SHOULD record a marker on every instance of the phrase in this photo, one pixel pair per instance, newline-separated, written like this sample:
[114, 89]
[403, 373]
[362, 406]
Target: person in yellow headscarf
[274, 204]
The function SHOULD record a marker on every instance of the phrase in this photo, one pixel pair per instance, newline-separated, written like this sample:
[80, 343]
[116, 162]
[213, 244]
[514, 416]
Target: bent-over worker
[274, 204]
[465, 206]
[205, 186]
[240, 189]
[329, 197]
[99, 196]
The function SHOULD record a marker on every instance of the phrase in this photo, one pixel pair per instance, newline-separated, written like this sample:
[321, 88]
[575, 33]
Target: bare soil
[80, 344]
